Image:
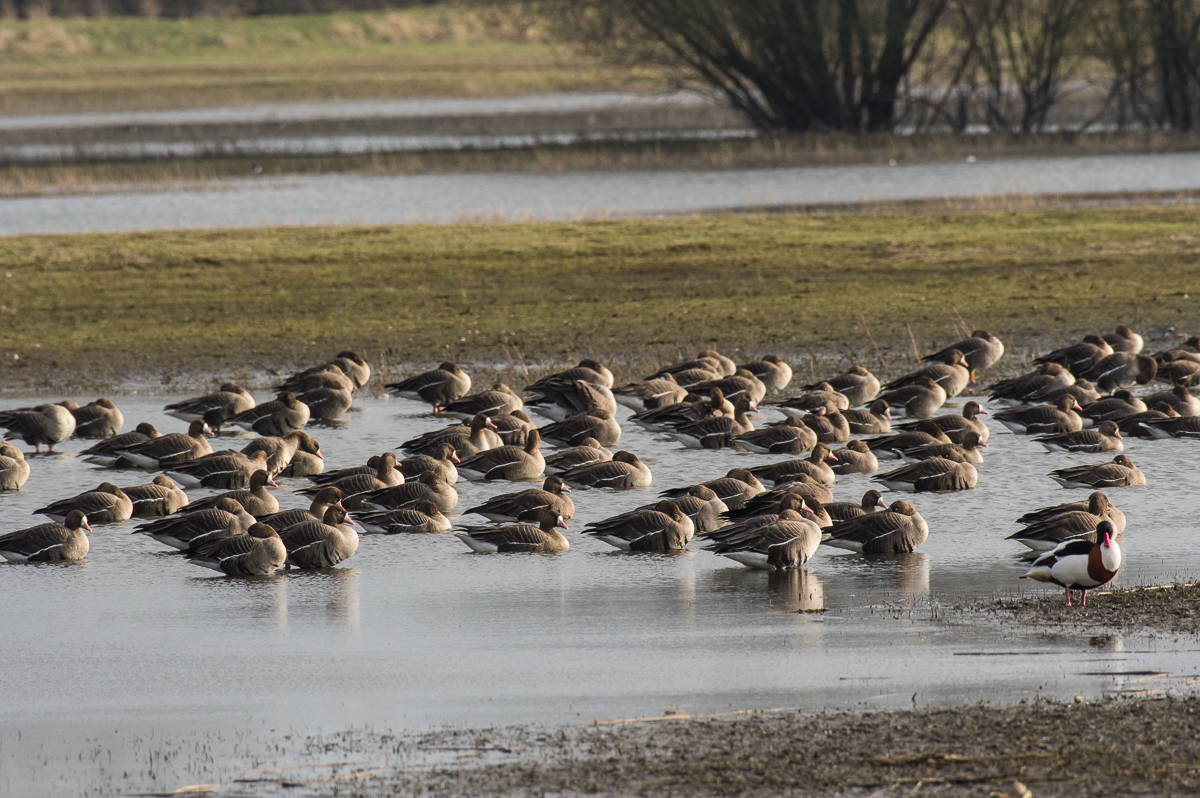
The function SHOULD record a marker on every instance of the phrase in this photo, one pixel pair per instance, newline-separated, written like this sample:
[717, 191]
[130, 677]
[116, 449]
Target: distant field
[108, 306]
[132, 63]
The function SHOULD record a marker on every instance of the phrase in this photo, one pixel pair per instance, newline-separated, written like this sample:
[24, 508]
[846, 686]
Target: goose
[256, 499]
[428, 487]
[282, 450]
[1047, 534]
[98, 419]
[872, 501]
[358, 487]
[786, 542]
[692, 377]
[1124, 339]
[1185, 427]
[497, 401]
[717, 432]
[332, 477]
[1105, 438]
[664, 528]
[949, 370]
[108, 450]
[1115, 516]
[330, 376]
[230, 397]
[816, 466]
[162, 497]
[442, 461]
[278, 417]
[588, 370]
[709, 360]
[920, 399]
[511, 506]
[1182, 371]
[741, 383]
[183, 531]
[1079, 564]
[1038, 419]
[897, 530]
[802, 487]
[1121, 404]
[558, 398]
[1083, 391]
[701, 505]
[437, 387]
[830, 426]
[259, 552]
[326, 403]
[467, 439]
[650, 394]
[821, 396]
[968, 450]
[167, 450]
[734, 489]
[944, 474]
[1132, 425]
[525, 538]
[225, 470]
[105, 504]
[981, 350]
[1121, 472]
[793, 436]
[1122, 369]
[1079, 358]
[692, 408]
[423, 518]
[46, 425]
[760, 514]
[304, 465]
[599, 425]
[507, 462]
[857, 384]
[1180, 400]
[1046, 377]
[313, 545]
[890, 446]
[624, 471]
[14, 471]
[53, 542]
[587, 452]
[956, 427]
[856, 458]
[326, 497]
[875, 420]
[771, 371]
[513, 428]
[351, 364]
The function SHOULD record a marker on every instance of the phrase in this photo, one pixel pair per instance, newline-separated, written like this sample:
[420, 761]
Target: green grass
[180, 300]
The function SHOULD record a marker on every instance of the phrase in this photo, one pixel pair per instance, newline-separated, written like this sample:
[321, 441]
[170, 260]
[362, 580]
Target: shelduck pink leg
[1068, 597]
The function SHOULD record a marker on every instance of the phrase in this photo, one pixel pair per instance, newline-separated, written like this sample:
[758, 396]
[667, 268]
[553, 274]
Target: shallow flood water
[414, 199]
[137, 670]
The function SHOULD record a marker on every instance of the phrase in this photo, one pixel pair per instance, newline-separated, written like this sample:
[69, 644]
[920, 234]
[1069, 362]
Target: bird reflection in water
[908, 573]
[796, 590]
[332, 593]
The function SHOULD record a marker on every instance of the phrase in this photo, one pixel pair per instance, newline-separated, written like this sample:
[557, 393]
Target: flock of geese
[1078, 399]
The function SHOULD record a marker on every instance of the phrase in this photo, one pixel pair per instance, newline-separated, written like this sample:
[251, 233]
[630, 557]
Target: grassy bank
[157, 303]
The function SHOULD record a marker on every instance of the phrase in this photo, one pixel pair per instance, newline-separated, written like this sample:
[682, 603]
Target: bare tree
[1175, 32]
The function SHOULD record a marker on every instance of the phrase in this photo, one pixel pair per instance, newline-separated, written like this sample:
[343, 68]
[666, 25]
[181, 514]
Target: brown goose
[1121, 404]
[357, 487]
[330, 477]
[821, 396]
[227, 470]
[625, 470]
[167, 450]
[1178, 372]
[701, 505]
[331, 376]
[513, 428]
[935, 475]
[857, 384]
[256, 499]
[733, 489]
[442, 461]
[1105, 438]
[1038, 419]
[428, 487]
[230, 397]
[599, 425]
[650, 394]
[955, 427]
[692, 408]
[558, 398]
[968, 450]
[588, 370]
[872, 501]
[1122, 369]
[511, 506]
[1078, 358]
[326, 404]
[42, 425]
[107, 451]
[587, 452]
[856, 458]
[54, 542]
[1121, 472]
[98, 419]
[320, 544]
[106, 504]
[1184, 427]
[830, 426]
[876, 420]
[524, 538]
[926, 432]
[949, 370]
[438, 387]
[793, 436]
[709, 360]
[690, 378]
[1180, 400]
[325, 498]
[507, 462]
[1070, 525]
[742, 383]
[162, 497]
[664, 528]
[259, 552]
[423, 518]
[14, 471]
[181, 532]
[1132, 425]
[1046, 377]
[1124, 339]
[716, 432]
[771, 371]
[816, 466]
[278, 417]
[981, 350]
[304, 465]
[281, 450]
[1115, 516]
[920, 399]
[802, 486]
[896, 530]
[467, 439]
[350, 364]
[497, 401]
[1083, 392]
[785, 543]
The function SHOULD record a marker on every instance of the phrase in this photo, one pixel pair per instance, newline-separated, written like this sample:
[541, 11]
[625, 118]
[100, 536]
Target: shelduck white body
[1079, 564]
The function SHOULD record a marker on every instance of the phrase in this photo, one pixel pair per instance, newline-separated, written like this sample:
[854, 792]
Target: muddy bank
[1163, 609]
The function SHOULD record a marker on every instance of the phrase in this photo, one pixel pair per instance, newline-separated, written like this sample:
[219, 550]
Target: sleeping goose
[691, 408]
[428, 487]
[701, 505]
[1121, 472]
[282, 450]
[98, 419]
[919, 399]
[442, 461]
[107, 451]
[1184, 427]
[325, 498]
[802, 487]
[329, 376]
[321, 544]
[709, 360]
[358, 487]
[437, 387]
[1124, 339]
[955, 427]
[875, 420]
[872, 501]
[1078, 358]
[1082, 391]
[14, 471]
[856, 458]
[650, 394]
[167, 450]
[1039, 419]
[1070, 525]
[511, 506]
[506, 462]
[889, 446]
[1122, 369]
[105, 504]
[716, 432]
[981, 350]
[968, 450]
[770, 371]
[948, 369]
[815, 466]
[513, 428]
[500, 399]
[330, 477]
[1046, 377]
[741, 383]
[278, 417]
[1096, 500]
[423, 518]
[733, 489]
[897, 530]
[793, 436]
[935, 475]
[598, 424]
[588, 370]
[1105, 438]
[558, 398]
[230, 397]
[162, 497]
[350, 364]
[587, 452]
[625, 470]
[326, 403]
[857, 384]
[524, 538]
[467, 439]
[42, 425]
[830, 426]
[664, 528]
[225, 470]
[182, 531]
[1179, 398]
[1079, 564]
[53, 542]
[821, 396]
[259, 552]
[787, 542]
[1113, 408]
[256, 499]
[303, 465]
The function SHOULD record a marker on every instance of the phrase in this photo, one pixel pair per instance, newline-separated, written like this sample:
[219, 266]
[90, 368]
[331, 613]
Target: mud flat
[1158, 609]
